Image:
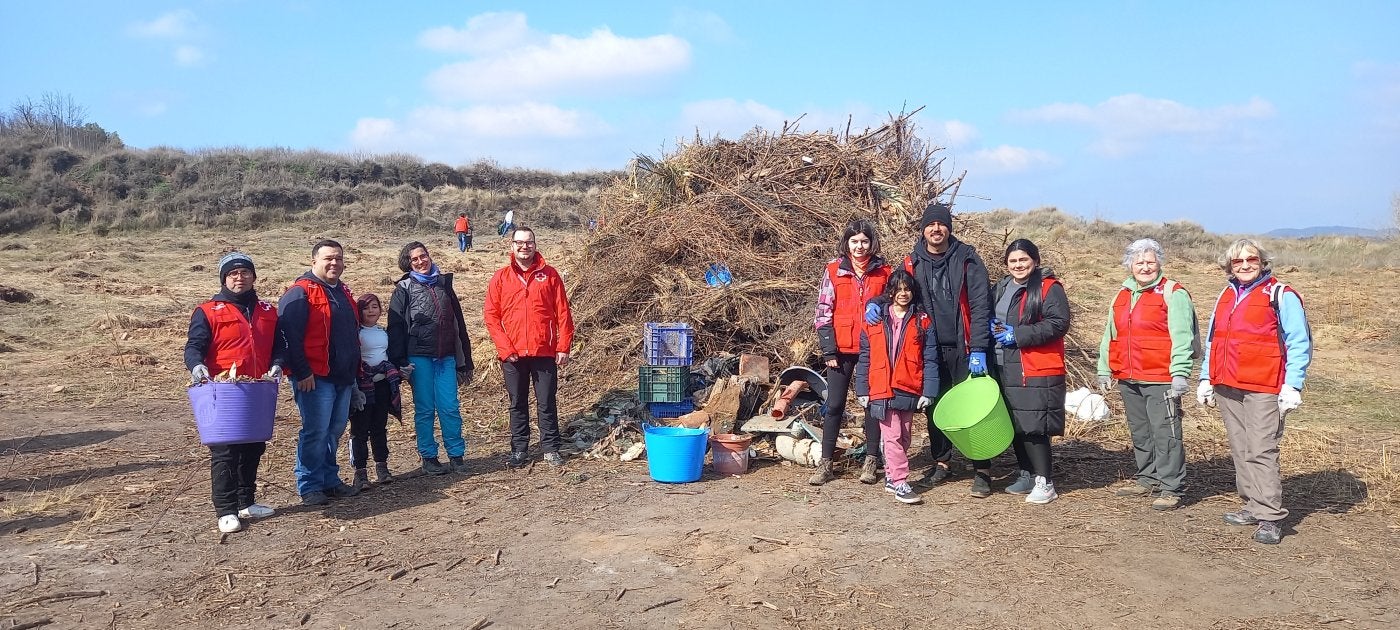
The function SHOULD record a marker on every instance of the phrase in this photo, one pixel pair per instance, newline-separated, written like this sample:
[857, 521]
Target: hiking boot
[869, 470]
[458, 465]
[381, 473]
[1166, 501]
[1042, 492]
[822, 475]
[903, 492]
[1240, 517]
[432, 466]
[1132, 488]
[517, 460]
[1025, 482]
[553, 459]
[935, 475]
[361, 479]
[981, 485]
[229, 524]
[314, 498]
[1268, 533]
[342, 491]
[256, 511]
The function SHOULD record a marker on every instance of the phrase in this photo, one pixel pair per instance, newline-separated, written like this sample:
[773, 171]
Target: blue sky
[1242, 116]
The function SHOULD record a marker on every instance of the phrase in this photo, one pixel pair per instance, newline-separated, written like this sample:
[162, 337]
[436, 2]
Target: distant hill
[1328, 230]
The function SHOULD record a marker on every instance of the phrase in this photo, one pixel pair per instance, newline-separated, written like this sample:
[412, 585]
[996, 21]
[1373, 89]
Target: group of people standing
[900, 338]
[346, 369]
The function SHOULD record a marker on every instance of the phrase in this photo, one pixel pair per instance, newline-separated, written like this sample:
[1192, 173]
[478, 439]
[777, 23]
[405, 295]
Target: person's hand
[977, 363]
[1179, 387]
[561, 358]
[1205, 394]
[357, 399]
[832, 362]
[406, 370]
[1007, 337]
[464, 377]
[200, 373]
[923, 403]
[1105, 383]
[872, 313]
[995, 326]
[1288, 400]
[512, 358]
[863, 401]
[274, 373]
[307, 384]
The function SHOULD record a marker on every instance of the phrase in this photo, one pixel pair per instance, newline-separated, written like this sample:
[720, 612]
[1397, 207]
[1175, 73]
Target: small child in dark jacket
[379, 387]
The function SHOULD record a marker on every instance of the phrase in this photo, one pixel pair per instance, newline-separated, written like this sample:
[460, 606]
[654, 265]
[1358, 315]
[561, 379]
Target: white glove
[1179, 386]
[1288, 400]
[923, 403]
[1105, 383]
[274, 373]
[864, 401]
[357, 398]
[1205, 394]
[200, 373]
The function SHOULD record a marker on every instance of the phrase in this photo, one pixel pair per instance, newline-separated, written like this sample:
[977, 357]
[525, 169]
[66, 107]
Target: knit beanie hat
[940, 212]
[234, 260]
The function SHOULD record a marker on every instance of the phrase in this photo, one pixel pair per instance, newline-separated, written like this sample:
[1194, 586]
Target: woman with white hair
[1148, 345]
[1256, 357]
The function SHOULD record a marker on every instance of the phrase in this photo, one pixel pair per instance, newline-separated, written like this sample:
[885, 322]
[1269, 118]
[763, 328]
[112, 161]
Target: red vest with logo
[317, 342]
[848, 305]
[906, 371]
[236, 341]
[1246, 350]
[1142, 348]
[1046, 359]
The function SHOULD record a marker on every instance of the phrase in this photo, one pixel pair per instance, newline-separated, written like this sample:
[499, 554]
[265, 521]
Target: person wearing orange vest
[320, 324]
[1148, 346]
[235, 332]
[897, 375]
[527, 314]
[463, 228]
[1031, 317]
[1256, 358]
[849, 282]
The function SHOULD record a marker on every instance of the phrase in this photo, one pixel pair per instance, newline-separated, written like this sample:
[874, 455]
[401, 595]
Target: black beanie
[940, 212]
[234, 260]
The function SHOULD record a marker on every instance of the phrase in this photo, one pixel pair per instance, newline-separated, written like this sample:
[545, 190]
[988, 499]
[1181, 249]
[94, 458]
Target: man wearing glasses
[527, 314]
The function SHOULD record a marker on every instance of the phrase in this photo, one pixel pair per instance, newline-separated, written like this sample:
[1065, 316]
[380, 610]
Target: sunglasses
[1253, 260]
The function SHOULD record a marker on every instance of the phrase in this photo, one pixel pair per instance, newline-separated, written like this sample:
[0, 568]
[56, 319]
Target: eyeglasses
[524, 243]
[1253, 260]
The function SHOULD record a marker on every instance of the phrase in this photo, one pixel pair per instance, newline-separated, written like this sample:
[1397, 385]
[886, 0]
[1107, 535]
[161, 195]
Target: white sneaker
[229, 524]
[256, 510]
[1044, 491]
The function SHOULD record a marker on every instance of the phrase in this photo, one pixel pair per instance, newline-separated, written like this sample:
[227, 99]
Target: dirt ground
[105, 519]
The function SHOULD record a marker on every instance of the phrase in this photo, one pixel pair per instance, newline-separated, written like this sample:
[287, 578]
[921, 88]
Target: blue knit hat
[234, 260]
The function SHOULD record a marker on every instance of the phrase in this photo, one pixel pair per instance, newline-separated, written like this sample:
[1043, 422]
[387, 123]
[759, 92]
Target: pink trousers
[895, 430]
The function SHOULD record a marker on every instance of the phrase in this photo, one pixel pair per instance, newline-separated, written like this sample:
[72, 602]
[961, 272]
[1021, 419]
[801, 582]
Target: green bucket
[974, 417]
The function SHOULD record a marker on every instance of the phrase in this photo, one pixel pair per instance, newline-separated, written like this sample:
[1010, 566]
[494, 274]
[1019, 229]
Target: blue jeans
[324, 412]
[434, 384]
[463, 241]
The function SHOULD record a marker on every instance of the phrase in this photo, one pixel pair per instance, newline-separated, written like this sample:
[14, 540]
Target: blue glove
[977, 363]
[872, 313]
[1007, 337]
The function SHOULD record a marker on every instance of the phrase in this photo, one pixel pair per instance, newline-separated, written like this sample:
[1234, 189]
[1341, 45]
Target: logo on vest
[540, 276]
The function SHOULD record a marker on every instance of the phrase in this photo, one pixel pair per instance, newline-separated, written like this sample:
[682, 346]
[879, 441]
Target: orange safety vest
[1246, 349]
[463, 225]
[1046, 359]
[906, 371]
[848, 304]
[1142, 348]
[317, 341]
[236, 341]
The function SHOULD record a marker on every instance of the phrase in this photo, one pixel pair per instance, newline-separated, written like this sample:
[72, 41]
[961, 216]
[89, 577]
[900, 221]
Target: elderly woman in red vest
[234, 332]
[1256, 357]
[1148, 346]
[850, 280]
[1030, 318]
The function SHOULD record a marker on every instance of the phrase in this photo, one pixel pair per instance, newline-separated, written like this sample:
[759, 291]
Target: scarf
[429, 278]
[859, 265]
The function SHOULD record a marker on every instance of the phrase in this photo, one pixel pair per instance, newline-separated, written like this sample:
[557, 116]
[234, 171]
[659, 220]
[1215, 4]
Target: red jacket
[527, 311]
[1142, 348]
[1247, 351]
[463, 225]
[851, 295]
[317, 342]
[904, 372]
[1047, 359]
[234, 341]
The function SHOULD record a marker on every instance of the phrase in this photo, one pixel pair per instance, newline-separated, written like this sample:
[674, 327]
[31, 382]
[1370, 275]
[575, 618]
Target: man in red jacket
[527, 314]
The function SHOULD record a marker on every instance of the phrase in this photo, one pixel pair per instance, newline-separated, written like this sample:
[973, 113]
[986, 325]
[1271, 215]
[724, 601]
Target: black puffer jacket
[1037, 403]
[426, 321]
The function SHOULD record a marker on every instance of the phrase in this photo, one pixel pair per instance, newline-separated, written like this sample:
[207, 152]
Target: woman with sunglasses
[1256, 357]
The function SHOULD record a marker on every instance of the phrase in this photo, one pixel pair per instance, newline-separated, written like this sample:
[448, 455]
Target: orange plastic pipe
[784, 399]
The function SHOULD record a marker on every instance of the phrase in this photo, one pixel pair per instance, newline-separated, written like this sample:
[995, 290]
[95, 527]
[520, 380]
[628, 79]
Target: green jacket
[1181, 315]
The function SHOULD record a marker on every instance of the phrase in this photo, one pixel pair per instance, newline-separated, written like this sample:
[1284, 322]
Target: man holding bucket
[234, 331]
[320, 325]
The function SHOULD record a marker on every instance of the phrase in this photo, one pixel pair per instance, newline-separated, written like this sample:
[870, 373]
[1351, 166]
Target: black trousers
[1033, 453]
[369, 428]
[543, 374]
[838, 385]
[952, 369]
[233, 475]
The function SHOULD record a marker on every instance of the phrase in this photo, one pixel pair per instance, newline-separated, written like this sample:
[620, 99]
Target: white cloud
[484, 34]
[188, 56]
[1008, 159]
[173, 25]
[956, 134]
[1127, 122]
[453, 134]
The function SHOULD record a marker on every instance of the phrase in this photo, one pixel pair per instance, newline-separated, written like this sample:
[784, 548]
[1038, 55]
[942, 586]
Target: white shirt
[374, 345]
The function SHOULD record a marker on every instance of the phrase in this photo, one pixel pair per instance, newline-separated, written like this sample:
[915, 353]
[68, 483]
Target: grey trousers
[1254, 426]
[1154, 422]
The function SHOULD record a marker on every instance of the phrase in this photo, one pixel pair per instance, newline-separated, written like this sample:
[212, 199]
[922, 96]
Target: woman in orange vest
[1149, 345]
[850, 280]
[1030, 318]
[1256, 358]
[897, 375]
[234, 332]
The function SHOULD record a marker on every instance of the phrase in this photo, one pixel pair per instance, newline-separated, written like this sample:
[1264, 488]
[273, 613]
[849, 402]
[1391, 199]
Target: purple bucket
[234, 413]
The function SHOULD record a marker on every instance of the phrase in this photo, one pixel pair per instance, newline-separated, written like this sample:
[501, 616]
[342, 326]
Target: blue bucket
[675, 454]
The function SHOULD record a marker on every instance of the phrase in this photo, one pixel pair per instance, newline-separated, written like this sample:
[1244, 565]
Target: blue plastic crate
[662, 384]
[669, 343]
[671, 410]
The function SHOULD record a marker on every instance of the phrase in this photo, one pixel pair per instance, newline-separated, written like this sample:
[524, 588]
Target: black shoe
[458, 465]
[1240, 517]
[517, 460]
[314, 498]
[432, 466]
[935, 475]
[341, 491]
[1268, 533]
[981, 485]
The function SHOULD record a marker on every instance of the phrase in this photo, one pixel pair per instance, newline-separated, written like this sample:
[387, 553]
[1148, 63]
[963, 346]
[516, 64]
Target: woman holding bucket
[234, 332]
[851, 279]
[1030, 318]
[896, 375]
